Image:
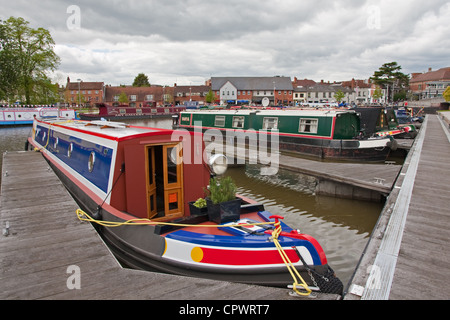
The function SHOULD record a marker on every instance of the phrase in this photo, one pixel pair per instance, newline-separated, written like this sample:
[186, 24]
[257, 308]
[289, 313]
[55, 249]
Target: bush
[222, 190]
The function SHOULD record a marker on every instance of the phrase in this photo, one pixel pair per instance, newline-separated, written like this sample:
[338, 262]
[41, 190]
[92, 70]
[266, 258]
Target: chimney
[430, 69]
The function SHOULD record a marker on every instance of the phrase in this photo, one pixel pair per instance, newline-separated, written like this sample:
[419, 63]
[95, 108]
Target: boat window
[308, 125]
[172, 165]
[238, 122]
[122, 111]
[270, 123]
[70, 150]
[220, 121]
[91, 161]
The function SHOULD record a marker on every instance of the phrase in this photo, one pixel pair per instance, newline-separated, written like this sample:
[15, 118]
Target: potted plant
[223, 205]
[198, 207]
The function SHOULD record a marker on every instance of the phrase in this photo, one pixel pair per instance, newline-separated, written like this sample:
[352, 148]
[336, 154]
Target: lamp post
[79, 93]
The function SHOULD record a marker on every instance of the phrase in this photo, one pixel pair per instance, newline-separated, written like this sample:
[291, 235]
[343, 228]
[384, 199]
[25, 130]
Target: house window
[270, 123]
[133, 97]
[220, 121]
[238, 122]
[149, 97]
[116, 98]
[308, 125]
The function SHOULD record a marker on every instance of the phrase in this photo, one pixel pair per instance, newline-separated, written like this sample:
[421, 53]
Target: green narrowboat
[325, 134]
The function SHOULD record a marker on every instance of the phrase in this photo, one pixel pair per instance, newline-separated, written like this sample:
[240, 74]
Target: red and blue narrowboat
[135, 184]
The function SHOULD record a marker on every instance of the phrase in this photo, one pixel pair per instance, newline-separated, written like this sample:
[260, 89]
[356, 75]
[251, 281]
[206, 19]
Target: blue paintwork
[79, 158]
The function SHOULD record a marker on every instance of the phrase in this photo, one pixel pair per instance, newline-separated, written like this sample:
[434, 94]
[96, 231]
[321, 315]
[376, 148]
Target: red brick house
[137, 96]
[431, 84]
[84, 93]
[196, 93]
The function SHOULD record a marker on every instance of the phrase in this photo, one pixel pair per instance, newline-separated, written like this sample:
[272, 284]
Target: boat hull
[367, 150]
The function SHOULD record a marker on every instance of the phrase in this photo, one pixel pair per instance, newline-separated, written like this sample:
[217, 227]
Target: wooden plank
[422, 260]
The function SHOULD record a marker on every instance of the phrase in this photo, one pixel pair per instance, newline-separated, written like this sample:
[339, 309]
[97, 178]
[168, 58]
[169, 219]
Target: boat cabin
[328, 124]
[146, 172]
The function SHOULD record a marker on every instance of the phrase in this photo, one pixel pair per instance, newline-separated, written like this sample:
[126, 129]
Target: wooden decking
[43, 239]
[407, 257]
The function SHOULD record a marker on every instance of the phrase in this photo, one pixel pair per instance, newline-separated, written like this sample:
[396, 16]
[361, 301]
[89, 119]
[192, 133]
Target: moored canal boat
[123, 112]
[325, 134]
[25, 116]
[135, 184]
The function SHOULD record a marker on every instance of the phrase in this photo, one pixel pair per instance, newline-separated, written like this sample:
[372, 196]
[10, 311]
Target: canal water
[341, 226]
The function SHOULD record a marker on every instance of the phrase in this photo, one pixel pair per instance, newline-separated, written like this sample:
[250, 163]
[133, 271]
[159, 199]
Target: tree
[390, 78]
[141, 80]
[210, 96]
[339, 95]
[446, 94]
[26, 55]
[123, 98]
[377, 94]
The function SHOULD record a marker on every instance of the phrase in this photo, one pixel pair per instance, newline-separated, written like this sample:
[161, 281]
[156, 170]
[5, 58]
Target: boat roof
[274, 113]
[106, 129]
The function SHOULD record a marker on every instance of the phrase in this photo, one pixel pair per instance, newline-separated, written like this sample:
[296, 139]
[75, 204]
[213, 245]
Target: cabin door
[164, 181]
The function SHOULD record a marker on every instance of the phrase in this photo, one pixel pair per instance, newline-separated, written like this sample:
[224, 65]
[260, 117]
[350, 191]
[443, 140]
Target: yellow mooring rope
[83, 216]
[292, 270]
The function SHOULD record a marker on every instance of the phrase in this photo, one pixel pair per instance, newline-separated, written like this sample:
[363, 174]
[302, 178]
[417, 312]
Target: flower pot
[224, 211]
[197, 211]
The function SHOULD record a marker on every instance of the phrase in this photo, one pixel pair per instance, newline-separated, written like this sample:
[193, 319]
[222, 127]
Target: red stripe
[154, 132]
[242, 258]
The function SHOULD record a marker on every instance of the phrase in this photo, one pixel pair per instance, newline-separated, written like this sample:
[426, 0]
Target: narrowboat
[324, 134]
[382, 122]
[25, 116]
[123, 112]
[136, 184]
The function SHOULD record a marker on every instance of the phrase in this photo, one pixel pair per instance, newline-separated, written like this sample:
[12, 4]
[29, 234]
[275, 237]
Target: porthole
[70, 150]
[91, 161]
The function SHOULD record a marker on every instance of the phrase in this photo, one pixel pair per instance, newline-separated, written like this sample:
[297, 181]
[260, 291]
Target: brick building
[431, 84]
[137, 96]
[83, 93]
[194, 93]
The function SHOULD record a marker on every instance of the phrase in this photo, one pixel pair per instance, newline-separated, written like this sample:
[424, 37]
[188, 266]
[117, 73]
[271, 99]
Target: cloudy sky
[189, 41]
